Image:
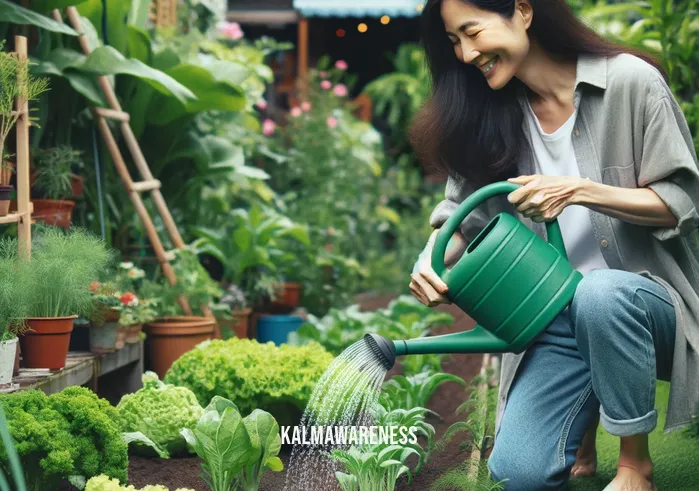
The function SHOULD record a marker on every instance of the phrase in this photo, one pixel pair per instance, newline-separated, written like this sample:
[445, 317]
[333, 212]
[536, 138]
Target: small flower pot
[8, 354]
[53, 212]
[133, 333]
[238, 325]
[6, 173]
[121, 337]
[5, 195]
[288, 297]
[277, 328]
[171, 337]
[103, 337]
[76, 186]
[46, 344]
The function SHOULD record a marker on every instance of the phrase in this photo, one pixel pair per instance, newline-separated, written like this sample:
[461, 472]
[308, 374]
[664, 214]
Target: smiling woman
[523, 91]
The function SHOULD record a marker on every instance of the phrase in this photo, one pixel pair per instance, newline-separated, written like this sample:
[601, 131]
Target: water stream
[343, 397]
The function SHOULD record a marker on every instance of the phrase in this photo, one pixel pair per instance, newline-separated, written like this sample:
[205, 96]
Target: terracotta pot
[46, 345]
[239, 325]
[5, 195]
[53, 212]
[133, 333]
[288, 298]
[6, 173]
[122, 332]
[171, 337]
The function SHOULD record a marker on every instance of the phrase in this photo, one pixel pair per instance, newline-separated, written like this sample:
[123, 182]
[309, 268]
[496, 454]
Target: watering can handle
[553, 230]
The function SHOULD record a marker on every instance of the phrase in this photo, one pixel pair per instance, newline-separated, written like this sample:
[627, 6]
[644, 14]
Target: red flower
[127, 298]
[95, 286]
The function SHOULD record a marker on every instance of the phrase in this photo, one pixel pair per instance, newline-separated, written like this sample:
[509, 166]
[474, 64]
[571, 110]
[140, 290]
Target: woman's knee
[522, 470]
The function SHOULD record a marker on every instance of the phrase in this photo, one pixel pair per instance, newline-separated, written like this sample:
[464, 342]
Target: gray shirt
[629, 132]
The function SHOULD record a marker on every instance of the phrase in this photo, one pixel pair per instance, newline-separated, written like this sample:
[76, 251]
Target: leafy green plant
[16, 83]
[153, 416]
[70, 433]
[372, 469]
[235, 450]
[55, 169]
[402, 392]
[252, 375]
[105, 483]
[62, 267]
[10, 450]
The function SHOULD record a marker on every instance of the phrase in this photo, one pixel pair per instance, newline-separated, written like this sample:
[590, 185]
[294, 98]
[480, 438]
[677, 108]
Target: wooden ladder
[147, 183]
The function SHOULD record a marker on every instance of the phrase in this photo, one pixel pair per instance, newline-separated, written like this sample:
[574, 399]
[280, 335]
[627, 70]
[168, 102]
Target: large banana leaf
[211, 93]
[57, 63]
[15, 14]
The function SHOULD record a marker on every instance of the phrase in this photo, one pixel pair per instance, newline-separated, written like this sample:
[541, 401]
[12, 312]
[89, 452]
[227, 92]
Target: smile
[485, 68]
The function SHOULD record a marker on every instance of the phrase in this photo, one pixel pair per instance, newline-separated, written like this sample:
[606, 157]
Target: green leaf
[106, 60]
[264, 436]
[252, 172]
[274, 464]
[139, 44]
[138, 437]
[14, 14]
[138, 15]
[46, 6]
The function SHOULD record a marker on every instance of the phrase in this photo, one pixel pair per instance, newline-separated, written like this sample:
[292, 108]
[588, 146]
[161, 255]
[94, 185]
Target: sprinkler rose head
[383, 349]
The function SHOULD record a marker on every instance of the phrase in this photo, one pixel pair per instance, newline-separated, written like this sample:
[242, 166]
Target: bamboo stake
[24, 229]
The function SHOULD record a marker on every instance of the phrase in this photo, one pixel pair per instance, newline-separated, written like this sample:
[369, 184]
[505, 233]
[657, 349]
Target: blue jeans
[603, 353]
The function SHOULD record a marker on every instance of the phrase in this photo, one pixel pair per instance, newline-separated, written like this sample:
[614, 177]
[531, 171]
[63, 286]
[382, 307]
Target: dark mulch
[184, 472]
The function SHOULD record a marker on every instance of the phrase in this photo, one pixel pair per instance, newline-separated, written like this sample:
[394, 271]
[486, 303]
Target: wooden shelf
[81, 368]
[10, 218]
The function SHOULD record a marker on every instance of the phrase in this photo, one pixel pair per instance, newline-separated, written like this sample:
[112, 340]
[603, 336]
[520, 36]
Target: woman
[524, 91]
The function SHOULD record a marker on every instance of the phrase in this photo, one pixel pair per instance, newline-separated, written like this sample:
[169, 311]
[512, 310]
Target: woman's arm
[641, 206]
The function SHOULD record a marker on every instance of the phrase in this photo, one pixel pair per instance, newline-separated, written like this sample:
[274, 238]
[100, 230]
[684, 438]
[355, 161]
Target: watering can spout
[477, 340]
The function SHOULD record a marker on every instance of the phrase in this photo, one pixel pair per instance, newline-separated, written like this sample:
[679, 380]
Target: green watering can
[509, 280]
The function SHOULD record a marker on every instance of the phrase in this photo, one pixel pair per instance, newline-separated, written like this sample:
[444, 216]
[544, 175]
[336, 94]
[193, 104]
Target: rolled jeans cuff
[628, 427]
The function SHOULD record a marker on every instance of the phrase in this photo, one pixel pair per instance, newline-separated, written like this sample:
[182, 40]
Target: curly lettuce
[104, 483]
[153, 416]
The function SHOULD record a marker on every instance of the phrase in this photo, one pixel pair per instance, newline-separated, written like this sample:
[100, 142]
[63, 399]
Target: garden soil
[185, 472]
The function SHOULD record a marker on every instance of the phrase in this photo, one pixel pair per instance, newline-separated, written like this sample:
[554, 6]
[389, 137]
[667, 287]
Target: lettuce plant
[105, 483]
[235, 450]
[251, 374]
[373, 469]
[414, 391]
[155, 414]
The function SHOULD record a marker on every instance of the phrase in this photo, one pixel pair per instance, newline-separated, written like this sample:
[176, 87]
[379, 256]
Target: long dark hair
[470, 130]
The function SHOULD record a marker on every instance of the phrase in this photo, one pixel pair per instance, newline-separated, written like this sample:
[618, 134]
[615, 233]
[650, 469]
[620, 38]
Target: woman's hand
[425, 284]
[543, 198]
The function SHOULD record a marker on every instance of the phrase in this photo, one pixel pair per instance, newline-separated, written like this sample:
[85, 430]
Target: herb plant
[14, 294]
[55, 169]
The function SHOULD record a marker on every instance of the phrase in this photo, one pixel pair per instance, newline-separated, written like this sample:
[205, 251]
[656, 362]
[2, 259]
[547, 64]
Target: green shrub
[71, 433]
[159, 411]
[251, 374]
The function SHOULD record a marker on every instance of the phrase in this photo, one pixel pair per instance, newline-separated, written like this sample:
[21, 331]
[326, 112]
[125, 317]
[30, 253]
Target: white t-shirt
[554, 156]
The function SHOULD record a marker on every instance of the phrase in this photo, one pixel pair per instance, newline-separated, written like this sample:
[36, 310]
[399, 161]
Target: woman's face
[494, 44]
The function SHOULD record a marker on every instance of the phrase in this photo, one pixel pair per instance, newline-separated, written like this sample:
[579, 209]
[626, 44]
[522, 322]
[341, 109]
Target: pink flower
[306, 106]
[340, 90]
[231, 30]
[261, 104]
[323, 74]
[326, 84]
[332, 122]
[296, 112]
[268, 127]
[341, 65]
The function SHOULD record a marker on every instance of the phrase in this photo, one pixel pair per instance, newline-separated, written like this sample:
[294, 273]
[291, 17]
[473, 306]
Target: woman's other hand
[543, 198]
[425, 284]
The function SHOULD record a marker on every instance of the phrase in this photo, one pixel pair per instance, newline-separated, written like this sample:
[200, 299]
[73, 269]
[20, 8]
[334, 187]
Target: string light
[340, 33]
[385, 19]
[362, 27]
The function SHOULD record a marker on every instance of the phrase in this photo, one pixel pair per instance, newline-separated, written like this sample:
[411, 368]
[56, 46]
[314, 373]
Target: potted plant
[13, 307]
[63, 265]
[55, 180]
[238, 322]
[135, 309]
[15, 83]
[172, 334]
[104, 319]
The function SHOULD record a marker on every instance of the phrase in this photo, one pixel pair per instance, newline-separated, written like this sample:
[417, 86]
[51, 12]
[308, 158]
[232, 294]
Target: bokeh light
[362, 27]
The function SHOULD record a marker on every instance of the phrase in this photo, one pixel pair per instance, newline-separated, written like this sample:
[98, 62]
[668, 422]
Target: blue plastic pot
[276, 328]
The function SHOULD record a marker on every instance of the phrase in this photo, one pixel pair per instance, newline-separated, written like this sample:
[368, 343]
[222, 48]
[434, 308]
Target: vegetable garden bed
[184, 472]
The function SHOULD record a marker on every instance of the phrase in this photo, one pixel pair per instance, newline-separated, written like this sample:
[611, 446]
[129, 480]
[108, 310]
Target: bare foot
[585, 463]
[628, 479]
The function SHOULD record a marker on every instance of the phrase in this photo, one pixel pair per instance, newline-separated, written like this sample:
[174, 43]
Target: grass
[675, 455]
